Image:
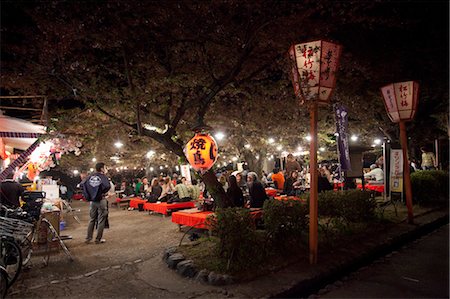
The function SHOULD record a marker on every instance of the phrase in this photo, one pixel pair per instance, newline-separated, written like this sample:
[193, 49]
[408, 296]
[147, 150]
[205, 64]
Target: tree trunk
[216, 190]
[254, 164]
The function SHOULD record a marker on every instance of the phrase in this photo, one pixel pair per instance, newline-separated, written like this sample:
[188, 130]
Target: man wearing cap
[375, 173]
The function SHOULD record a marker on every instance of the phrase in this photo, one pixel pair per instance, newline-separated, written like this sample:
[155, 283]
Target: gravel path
[128, 265]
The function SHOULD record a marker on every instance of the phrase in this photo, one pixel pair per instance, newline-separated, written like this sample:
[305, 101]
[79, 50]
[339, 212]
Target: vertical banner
[186, 172]
[396, 171]
[342, 129]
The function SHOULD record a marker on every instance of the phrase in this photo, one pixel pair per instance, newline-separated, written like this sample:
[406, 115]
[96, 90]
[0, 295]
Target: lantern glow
[400, 100]
[314, 65]
[201, 152]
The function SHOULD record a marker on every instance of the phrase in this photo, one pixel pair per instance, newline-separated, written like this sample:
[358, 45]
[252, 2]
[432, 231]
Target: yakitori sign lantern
[400, 100]
[313, 68]
[201, 152]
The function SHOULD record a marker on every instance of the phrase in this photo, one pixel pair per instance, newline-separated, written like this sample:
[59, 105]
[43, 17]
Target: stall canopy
[18, 134]
[14, 126]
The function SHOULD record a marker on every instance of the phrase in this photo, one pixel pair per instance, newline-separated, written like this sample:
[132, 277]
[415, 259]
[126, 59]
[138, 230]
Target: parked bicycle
[19, 230]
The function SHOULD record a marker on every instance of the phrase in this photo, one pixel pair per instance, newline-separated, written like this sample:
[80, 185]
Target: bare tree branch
[134, 126]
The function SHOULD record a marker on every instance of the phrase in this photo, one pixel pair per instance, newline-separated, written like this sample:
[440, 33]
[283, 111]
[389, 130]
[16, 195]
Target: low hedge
[350, 205]
[239, 244]
[285, 221]
[430, 186]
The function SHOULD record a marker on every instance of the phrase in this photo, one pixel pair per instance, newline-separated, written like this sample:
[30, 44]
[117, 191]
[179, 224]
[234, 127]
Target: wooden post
[313, 194]
[406, 174]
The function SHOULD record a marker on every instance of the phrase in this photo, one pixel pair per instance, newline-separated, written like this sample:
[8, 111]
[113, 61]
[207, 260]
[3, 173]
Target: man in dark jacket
[94, 189]
[10, 192]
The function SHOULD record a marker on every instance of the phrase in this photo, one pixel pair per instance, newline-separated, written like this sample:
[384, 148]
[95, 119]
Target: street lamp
[400, 101]
[118, 144]
[314, 65]
[219, 135]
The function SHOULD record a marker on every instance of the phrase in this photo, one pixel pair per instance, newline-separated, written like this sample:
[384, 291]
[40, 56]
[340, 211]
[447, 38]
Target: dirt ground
[128, 265]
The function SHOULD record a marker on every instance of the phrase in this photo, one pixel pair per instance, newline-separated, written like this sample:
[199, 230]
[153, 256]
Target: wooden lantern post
[314, 65]
[400, 101]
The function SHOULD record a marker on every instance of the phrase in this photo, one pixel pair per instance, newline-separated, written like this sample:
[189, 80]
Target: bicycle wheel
[51, 238]
[12, 258]
[3, 282]
[27, 250]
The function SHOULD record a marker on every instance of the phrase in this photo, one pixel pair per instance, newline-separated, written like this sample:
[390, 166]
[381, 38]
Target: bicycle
[23, 232]
[12, 231]
[3, 282]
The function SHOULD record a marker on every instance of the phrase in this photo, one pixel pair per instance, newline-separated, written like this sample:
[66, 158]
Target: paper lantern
[201, 152]
[400, 100]
[314, 65]
[3, 155]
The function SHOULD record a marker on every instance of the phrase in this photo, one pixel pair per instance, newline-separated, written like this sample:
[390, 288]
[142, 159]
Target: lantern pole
[406, 173]
[313, 191]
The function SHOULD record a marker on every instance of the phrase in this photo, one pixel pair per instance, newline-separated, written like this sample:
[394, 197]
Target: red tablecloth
[135, 201]
[164, 207]
[376, 188]
[289, 198]
[198, 219]
[271, 192]
[337, 186]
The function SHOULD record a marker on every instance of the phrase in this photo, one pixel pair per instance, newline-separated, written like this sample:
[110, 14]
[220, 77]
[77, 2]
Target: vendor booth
[26, 150]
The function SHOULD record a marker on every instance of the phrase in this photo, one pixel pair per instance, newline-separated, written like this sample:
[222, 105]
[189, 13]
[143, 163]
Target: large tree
[158, 69]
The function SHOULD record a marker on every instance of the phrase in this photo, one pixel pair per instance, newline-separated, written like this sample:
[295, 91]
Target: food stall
[26, 149]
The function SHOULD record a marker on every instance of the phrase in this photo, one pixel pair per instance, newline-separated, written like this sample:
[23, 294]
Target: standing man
[428, 159]
[95, 187]
[292, 165]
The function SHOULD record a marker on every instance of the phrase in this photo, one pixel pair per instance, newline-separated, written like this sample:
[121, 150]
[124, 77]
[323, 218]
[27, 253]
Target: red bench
[135, 201]
[197, 219]
[165, 208]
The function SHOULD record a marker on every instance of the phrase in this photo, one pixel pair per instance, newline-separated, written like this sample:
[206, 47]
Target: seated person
[278, 179]
[375, 174]
[194, 190]
[182, 190]
[10, 192]
[256, 190]
[155, 190]
[290, 183]
[323, 184]
[126, 188]
[235, 193]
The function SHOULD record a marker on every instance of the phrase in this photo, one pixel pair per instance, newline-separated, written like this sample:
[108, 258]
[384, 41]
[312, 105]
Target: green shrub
[239, 244]
[430, 186]
[285, 221]
[340, 212]
[350, 205]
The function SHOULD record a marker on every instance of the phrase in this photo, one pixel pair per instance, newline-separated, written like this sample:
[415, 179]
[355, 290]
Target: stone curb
[187, 268]
[319, 282]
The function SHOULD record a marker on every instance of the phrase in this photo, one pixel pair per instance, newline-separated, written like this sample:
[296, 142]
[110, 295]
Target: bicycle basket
[15, 228]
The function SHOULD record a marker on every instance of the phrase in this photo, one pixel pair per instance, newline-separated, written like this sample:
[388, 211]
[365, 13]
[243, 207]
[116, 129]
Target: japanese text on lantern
[198, 144]
[403, 89]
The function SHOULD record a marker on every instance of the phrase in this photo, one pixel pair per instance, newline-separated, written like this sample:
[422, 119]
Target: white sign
[396, 170]
[186, 172]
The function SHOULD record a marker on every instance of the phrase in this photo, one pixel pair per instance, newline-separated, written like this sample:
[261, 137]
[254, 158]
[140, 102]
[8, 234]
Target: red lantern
[400, 100]
[314, 65]
[3, 154]
[201, 152]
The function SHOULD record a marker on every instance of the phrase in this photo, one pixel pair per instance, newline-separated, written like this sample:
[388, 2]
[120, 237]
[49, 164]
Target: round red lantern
[201, 152]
